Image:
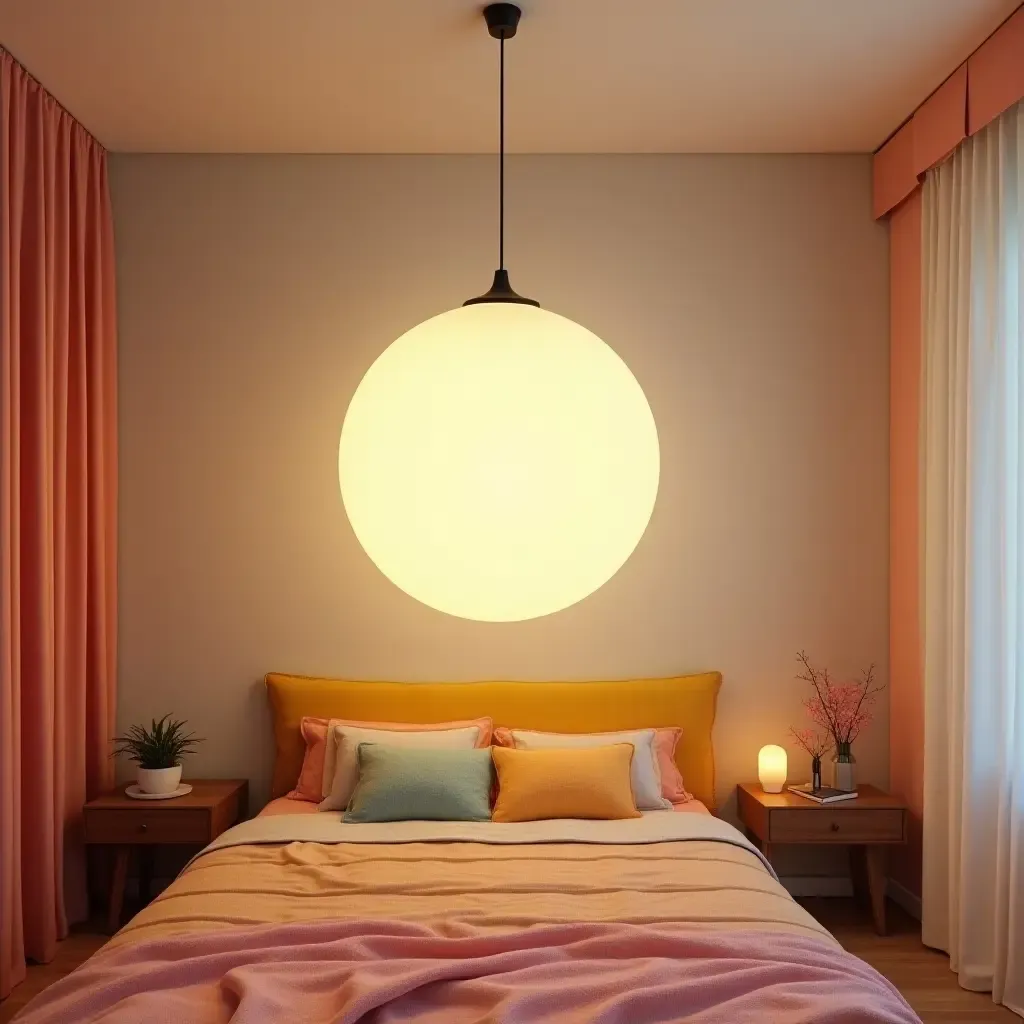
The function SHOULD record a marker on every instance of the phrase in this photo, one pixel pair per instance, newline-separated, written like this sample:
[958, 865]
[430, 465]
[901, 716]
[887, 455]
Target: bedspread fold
[341, 972]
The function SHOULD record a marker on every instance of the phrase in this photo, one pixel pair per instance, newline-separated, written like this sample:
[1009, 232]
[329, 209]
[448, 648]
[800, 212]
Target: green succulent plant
[161, 746]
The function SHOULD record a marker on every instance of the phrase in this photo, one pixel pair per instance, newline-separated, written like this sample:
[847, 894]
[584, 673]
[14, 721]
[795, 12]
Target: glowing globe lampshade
[772, 765]
[499, 462]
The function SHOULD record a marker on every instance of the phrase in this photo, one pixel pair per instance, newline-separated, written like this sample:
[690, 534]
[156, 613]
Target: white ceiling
[400, 76]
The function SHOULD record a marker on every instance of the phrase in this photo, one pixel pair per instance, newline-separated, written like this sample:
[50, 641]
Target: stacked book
[823, 794]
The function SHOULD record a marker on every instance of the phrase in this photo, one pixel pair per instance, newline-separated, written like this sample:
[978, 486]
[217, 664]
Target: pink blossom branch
[813, 742]
[841, 709]
[810, 675]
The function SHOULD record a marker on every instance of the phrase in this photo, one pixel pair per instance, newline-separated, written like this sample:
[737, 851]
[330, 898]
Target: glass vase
[815, 773]
[844, 769]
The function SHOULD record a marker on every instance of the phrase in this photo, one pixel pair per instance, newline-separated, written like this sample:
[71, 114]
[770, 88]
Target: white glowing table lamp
[771, 768]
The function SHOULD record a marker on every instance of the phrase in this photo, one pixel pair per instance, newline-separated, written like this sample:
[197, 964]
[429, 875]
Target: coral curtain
[973, 560]
[58, 497]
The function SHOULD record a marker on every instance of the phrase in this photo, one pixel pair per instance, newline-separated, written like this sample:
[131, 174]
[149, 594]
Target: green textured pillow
[417, 784]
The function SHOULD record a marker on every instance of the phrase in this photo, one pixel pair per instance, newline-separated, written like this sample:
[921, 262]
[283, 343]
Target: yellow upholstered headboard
[686, 701]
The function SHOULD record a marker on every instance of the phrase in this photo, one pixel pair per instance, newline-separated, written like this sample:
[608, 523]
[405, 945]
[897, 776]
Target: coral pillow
[665, 743]
[564, 782]
[311, 776]
[318, 764]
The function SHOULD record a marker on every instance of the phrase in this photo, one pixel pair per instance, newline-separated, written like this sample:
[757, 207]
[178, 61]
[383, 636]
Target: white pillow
[331, 745]
[346, 740]
[330, 760]
[644, 773]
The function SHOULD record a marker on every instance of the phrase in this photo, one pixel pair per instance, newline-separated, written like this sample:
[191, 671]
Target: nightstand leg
[99, 868]
[876, 857]
[859, 874]
[117, 889]
[145, 873]
[763, 845]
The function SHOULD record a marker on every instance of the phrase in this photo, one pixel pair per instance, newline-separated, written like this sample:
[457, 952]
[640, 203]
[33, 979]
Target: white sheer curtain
[973, 537]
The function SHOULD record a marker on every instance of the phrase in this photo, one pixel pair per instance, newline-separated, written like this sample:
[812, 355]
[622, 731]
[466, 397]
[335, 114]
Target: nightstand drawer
[130, 826]
[839, 825]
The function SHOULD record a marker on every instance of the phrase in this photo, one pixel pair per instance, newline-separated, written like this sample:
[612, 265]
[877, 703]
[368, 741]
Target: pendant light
[499, 462]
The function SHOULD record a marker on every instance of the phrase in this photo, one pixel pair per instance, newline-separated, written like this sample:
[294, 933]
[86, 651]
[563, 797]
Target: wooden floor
[922, 975]
[74, 950]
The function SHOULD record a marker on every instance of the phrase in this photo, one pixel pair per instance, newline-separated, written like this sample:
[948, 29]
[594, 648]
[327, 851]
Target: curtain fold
[973, 560]
[58, 503]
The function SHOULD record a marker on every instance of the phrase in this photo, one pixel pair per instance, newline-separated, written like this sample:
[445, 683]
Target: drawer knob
[143, 827]
[834, 826]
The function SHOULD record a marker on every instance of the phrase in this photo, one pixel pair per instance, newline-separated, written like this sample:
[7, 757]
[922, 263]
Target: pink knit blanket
[336, 972]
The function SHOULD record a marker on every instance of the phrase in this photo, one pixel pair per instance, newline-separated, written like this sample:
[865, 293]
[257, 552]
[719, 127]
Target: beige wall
[747, 294]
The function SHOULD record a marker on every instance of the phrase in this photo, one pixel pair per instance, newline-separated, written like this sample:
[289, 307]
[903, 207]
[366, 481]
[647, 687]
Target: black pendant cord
[502, 21]
[501, 157]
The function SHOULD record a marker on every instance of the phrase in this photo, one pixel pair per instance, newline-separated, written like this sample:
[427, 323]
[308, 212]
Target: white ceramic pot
[159, 780]
[844, 776]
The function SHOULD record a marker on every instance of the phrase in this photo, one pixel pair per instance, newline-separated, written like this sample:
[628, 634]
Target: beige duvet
[664, 867]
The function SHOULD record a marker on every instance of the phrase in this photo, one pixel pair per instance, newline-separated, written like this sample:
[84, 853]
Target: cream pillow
[346, 740]
[645, 776]
[485, 727]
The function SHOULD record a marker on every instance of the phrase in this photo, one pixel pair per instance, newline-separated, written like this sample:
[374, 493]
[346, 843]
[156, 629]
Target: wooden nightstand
[116, 820]
[868, 825]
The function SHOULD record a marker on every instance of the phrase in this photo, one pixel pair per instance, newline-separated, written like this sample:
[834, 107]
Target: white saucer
[136, 794]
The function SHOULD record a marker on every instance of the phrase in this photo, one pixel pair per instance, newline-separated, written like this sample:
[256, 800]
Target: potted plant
[158, 752]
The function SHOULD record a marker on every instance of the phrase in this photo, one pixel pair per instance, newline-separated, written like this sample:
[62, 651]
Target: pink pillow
[314, 732]
[665, 742]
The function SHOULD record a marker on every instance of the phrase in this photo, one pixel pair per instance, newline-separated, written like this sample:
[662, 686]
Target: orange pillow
[315, 732]
[665, 742]
[578, 782]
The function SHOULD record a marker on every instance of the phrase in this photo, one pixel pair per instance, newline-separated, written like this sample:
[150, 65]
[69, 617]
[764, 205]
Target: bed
[297, 916]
